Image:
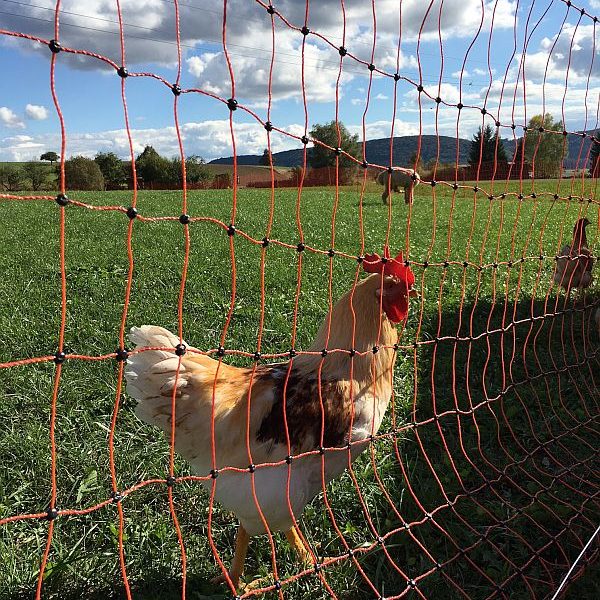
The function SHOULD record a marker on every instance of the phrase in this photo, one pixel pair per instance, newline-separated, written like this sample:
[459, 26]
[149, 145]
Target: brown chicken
[322, 411]
[574, 263]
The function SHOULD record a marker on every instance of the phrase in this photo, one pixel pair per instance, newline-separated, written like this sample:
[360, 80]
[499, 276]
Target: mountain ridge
[378, 151]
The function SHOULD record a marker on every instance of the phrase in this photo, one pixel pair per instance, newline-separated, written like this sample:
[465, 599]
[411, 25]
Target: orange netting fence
[490, 487]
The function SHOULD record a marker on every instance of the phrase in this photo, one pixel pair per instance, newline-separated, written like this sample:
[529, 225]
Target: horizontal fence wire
[487, 479]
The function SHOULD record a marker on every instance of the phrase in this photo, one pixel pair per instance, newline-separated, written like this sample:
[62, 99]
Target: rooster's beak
[413, 293]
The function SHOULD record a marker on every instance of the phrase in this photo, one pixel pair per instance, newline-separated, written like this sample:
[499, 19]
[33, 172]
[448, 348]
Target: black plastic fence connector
[122, 354]
[54, 46]
[52, 513]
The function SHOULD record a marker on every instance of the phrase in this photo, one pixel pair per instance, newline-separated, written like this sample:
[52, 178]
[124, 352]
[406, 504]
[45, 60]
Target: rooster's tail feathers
[152, 335]
[151, 374]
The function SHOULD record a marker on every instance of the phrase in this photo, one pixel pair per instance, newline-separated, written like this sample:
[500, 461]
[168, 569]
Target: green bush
[83, 173]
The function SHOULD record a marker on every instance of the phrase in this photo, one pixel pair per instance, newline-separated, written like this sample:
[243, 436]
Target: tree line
[542, 146]
[107, 171]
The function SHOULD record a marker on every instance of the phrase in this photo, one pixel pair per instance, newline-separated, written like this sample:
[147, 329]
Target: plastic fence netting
[482, 480]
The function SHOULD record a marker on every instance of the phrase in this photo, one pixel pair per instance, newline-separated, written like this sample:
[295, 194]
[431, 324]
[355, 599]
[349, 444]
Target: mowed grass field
[546, 369]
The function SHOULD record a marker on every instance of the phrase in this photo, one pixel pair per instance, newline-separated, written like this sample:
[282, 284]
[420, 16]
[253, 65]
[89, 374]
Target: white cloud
[539, 99]
[381, 129]
[36, 112]
[251, 71]
[92, 25]
[9, 118]
[197, 64]
[150, 37]
[210, 139]
[459, 18]
[572, 48]
[447, 91]
[21, 138]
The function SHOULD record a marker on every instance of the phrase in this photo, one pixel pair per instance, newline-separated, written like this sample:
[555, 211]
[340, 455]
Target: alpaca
[398, 178]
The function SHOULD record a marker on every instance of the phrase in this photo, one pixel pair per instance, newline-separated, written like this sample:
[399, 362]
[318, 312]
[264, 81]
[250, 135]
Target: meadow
[533, 384]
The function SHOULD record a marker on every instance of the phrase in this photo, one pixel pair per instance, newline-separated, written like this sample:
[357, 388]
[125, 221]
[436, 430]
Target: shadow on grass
[155, 585]
[499, 475]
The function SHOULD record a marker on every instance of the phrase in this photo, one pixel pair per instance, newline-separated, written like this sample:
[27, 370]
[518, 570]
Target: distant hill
[578, 149]
[378, 151]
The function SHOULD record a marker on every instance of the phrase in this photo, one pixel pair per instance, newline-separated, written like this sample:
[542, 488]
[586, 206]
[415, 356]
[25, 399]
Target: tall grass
[537, 395]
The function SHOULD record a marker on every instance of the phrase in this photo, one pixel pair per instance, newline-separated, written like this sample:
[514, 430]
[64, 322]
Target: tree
[222, 181]
[37, 174]
[544, 150]
[154, 168]
[195, 171]
[413, 159]
[267, 159]
[112, 168]
[328, 134]
[51, 157]
[519, 156]
[594, 154]
[83, 173]
[296, 174]
[431, 164]
[11, 178]
[486, 147]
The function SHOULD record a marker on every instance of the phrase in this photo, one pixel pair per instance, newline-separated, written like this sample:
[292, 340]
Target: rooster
[327, 398]
[575, 262]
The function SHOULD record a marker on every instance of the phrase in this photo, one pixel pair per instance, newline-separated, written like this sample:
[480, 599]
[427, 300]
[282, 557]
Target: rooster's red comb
[373, 263]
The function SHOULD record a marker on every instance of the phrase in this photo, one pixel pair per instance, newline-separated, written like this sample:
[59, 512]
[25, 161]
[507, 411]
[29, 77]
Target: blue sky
[89, 93]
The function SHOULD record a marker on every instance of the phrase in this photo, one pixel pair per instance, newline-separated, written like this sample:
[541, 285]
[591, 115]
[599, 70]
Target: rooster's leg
[298, 545]
[241, 548]
[295, 541]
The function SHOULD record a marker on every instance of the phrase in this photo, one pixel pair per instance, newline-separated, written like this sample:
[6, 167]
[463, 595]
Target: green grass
[84, 558]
